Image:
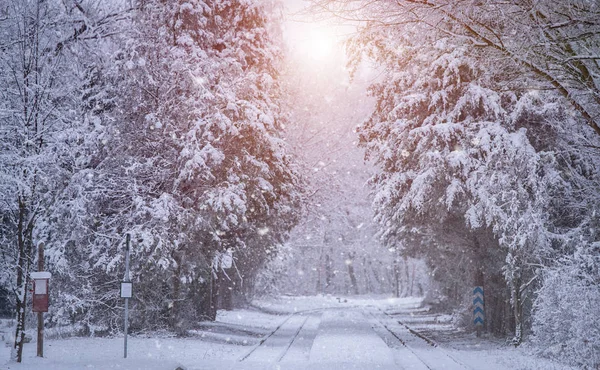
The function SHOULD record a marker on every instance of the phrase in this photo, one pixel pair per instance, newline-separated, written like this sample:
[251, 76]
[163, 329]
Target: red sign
[40, 295]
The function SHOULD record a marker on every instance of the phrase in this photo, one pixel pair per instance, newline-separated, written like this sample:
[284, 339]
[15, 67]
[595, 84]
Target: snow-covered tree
[567, 301]
[474, 132]
[554, 41]
[42, 135]
[448, 146]
[191, 163]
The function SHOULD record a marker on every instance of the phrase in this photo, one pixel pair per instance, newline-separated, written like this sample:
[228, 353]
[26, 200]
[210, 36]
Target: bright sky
[315, 42]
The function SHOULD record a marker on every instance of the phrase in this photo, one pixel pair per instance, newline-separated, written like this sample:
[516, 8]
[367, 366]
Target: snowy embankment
[295, 333]
[210, 346]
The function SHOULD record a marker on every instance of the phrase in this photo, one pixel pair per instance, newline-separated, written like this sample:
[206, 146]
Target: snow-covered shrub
[566, 324]
[267, 280]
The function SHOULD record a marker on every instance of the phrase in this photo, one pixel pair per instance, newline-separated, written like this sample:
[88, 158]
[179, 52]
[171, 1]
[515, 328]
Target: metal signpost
[478, 309]
[126, 292]
[40, 298]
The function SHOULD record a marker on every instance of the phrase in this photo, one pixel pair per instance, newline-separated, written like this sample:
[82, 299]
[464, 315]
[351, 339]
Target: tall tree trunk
[412, 280]
[24, 259]
[30, 116]
[175, 309]
[351, 273]
[206, 309]
[396, 278]
[517, 312]
[406, 274]
[214, 294]
[227, 287]
[328, 272]
[368, 287]
[376, 277]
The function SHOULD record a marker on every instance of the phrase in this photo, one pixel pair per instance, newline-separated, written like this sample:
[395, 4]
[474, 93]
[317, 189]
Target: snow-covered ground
[322, 332]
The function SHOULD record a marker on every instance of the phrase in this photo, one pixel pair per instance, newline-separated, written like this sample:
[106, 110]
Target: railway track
[412, 348]
[275, 346]
[291, 341]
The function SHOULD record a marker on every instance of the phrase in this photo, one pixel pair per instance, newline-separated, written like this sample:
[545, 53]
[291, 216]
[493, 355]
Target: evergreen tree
[192, 165]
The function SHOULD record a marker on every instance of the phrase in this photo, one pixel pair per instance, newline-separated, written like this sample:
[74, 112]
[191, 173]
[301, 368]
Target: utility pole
[40, 315]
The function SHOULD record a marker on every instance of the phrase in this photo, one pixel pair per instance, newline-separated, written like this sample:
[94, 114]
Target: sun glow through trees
[311, 42]
[317, 44]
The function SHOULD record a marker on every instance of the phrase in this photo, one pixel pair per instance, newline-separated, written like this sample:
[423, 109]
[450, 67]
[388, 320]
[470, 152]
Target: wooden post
[40, 315]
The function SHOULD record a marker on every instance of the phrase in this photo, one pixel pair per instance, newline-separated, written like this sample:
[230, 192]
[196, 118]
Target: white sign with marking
[126, 289]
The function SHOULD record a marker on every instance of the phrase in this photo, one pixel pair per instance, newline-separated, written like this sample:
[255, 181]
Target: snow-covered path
[350, 338]
[347, 340]
[293, 333]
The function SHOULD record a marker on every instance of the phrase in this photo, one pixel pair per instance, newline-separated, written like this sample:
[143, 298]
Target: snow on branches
[160, 120]
[482, 159]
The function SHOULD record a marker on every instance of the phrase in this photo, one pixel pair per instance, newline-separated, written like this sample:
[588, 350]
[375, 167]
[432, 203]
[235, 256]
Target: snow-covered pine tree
[192, 164]
[447, 145]
[543, 46]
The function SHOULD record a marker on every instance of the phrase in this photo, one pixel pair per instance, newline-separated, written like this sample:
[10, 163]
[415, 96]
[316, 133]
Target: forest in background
[335, 249]
[170, 121]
